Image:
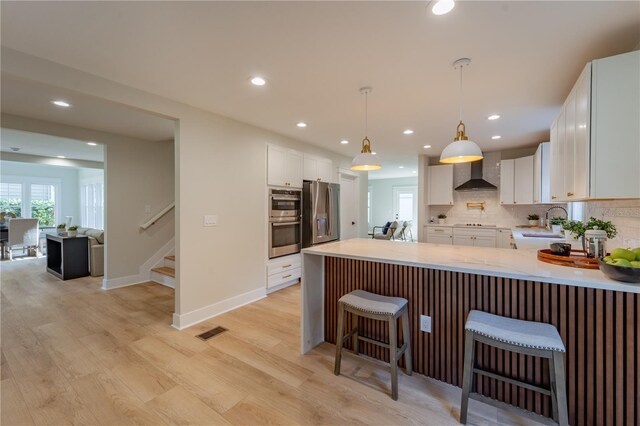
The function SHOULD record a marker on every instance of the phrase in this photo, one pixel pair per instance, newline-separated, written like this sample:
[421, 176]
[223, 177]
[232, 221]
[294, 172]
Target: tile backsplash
[494, 212]
[624, 214]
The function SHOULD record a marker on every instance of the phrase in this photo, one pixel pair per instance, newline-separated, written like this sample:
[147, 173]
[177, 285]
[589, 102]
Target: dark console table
[68, 257]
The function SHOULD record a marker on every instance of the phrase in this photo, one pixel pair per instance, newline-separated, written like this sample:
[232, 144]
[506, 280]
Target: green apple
[635, 264]
[607, 259]
[621, 253]
[621, 262]
[637, 252]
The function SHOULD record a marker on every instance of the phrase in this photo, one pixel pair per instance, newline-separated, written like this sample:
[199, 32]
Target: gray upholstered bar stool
[383, 308]
[525, 337]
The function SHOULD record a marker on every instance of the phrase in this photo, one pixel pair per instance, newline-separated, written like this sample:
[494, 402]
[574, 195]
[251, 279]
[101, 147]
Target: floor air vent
[213, 332]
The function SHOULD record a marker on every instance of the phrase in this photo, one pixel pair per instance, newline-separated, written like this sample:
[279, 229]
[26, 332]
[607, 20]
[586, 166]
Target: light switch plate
[425, 323]
[211, 220]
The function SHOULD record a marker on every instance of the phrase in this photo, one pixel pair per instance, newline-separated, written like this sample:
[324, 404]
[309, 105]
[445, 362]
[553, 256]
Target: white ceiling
[316, 55]
[48, 146]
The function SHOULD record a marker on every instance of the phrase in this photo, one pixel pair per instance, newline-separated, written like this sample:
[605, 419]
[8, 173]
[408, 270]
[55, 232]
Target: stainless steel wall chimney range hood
[476, 183]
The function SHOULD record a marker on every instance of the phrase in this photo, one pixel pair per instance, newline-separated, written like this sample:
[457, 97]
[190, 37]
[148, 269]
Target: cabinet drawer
[283, 277]
[284, 264]
[439, 239]
[475, 232]
[439, 230]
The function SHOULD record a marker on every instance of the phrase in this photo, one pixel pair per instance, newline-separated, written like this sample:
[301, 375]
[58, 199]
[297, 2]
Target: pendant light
[365, 161]
[461, 150]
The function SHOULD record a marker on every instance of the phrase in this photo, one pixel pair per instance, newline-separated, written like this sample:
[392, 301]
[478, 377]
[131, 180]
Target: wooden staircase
[165, 274]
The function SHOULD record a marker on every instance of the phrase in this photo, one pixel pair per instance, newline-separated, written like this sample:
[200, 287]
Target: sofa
[96, 250]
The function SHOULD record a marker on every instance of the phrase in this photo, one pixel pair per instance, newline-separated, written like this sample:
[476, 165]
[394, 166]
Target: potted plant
[533, 219]
[556, 224]
[62, 229]
[441, 218]
[73, 231]
[573, 229]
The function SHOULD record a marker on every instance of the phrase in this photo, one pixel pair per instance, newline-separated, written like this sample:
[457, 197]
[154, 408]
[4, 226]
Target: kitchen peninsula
[598, 318]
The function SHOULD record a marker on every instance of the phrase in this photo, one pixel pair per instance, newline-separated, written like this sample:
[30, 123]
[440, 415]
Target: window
[31, 197]
[43, 203]
[11, 198]
[91, 205]
[369, 206]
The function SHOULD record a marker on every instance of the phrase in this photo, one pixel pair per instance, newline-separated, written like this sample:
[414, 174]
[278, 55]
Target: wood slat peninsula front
[598, 319]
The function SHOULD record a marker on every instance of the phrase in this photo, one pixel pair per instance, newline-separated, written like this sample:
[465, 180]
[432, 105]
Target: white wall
[220, 169]
[68, 177]
[137, 173]
[382, 198]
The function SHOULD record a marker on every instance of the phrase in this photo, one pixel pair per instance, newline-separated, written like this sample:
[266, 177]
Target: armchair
[392, 231]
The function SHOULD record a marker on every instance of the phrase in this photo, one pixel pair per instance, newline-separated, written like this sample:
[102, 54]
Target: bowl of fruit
[622, 265]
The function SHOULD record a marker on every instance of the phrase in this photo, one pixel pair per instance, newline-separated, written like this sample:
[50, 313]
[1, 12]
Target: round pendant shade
[365, 161]
[463, 151]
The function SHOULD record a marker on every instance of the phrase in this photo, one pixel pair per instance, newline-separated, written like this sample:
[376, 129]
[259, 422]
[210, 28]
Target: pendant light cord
[366, 113]
[461, 66]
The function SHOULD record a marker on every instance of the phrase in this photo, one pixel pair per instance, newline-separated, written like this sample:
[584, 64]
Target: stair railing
[155, 218]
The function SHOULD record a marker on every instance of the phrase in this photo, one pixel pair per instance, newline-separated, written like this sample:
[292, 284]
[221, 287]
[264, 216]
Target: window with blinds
[92, 205]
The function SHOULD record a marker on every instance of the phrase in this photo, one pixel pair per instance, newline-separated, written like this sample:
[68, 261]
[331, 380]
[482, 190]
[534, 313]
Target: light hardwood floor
[72, 353]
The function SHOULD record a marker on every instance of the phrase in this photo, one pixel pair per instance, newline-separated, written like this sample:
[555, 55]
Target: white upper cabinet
[595, 141]
[284, 167]
[542, 174]
[516, 181]
[523, 182]
[317, 168]
[440, 184]
[507, 168]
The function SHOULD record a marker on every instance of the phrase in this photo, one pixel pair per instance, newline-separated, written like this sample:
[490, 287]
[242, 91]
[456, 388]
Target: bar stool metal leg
[561, 390]
[393, 355]
[406, 338]
[336, 369]
[467, 374]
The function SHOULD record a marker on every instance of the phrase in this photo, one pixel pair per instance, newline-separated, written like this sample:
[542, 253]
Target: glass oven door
[284, 238]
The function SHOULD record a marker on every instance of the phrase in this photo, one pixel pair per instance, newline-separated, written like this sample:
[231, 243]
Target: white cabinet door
[507, 176]
[316, 168]
[484, 241]
[284, 167]
[325, 170]
[440, 184]
[293, 168]
[581, 148]
[569, 145]
[504, 238]
[541, 174]
[440, 239]
[463, 240]
[555, 158]
[275, 165]
[523, 181]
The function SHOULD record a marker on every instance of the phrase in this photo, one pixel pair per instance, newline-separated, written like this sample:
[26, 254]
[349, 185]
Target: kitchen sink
[542, 235]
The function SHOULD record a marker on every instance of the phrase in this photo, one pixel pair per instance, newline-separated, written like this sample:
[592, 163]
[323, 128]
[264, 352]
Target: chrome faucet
[546, 215]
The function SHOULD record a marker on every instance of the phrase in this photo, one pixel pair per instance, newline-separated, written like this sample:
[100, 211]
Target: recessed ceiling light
[493, 117]
[374, 153]
[15, 149]
[92, 143]
[344, 141]
[401, 167]
[496, 137]
[408, 132]
[61, 103]
[301, 124]
[443, 7]
[258, 81]
[427, 146]
[61, 156]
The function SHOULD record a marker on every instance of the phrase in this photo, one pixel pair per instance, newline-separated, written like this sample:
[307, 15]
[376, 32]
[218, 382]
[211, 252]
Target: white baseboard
[123, 281]
[281, 286]
[191, 318]
[165, 280]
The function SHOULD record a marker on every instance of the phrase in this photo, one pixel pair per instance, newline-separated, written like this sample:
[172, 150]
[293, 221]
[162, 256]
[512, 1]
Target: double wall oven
[285, 208]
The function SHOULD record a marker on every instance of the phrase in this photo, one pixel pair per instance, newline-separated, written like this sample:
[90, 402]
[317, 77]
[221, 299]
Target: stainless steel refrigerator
[320, 213]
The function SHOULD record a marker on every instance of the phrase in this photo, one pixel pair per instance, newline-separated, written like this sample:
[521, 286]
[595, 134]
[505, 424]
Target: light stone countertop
[508, 263]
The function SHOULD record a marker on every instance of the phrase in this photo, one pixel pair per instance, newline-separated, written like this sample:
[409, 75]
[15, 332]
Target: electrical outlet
[425, 323]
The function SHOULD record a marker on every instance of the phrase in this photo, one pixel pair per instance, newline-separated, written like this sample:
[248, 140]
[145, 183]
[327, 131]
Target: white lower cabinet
[505, 239]
[439, 234]
[475, 237]
[284, 270]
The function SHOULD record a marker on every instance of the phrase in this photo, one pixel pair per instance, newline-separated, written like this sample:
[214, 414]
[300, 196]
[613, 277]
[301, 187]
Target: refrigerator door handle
[329, 212]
